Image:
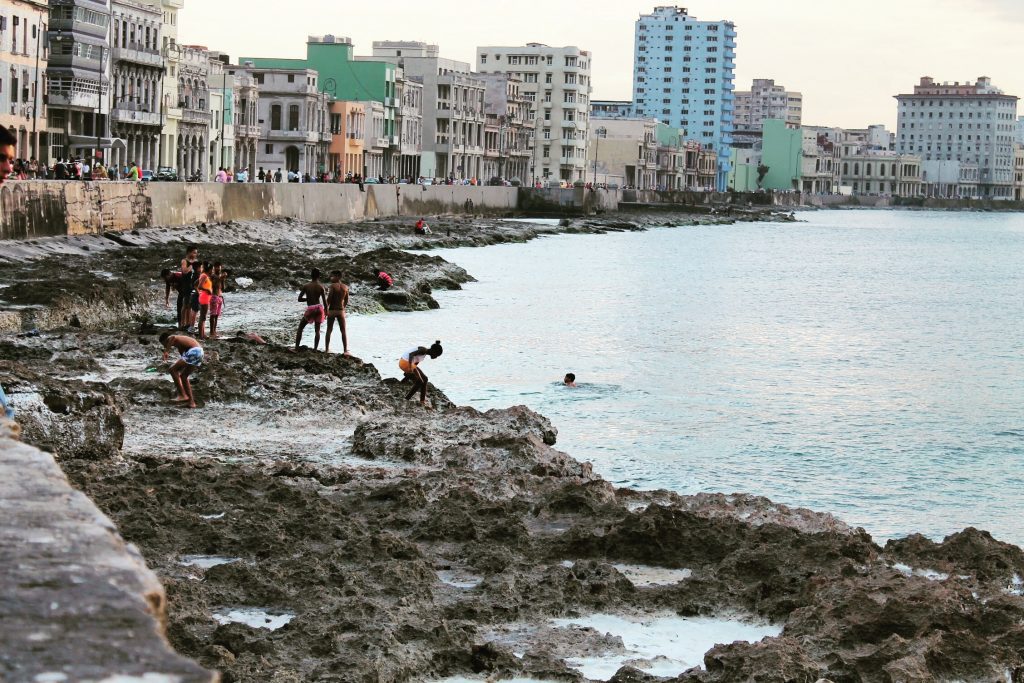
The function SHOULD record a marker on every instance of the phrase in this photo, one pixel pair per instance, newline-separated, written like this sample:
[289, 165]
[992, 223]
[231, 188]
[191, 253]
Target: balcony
[244, 130]
[137, 54]
[127, 112]
[196, 116]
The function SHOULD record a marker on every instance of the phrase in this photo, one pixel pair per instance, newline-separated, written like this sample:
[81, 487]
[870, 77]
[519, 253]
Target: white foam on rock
[206, 561]
[929, 574]
[469, 679]
[253, 617]
[644, 577]
[459, 579]
[1016, 586]
[661, 646]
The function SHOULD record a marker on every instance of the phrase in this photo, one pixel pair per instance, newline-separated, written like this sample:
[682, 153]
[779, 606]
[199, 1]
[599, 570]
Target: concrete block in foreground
[77, 603]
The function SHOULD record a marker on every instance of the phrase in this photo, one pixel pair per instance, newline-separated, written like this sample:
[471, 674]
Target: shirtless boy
[191, 358]
[186, 282]
[337, 302]
[315, 296]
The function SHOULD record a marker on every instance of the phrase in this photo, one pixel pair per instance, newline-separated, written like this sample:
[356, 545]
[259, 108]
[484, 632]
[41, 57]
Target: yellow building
[348, 130]
[23, 60]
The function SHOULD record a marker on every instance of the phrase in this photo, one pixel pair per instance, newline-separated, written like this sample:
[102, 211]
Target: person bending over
[410, 365]
[191, 358]
[315, 296]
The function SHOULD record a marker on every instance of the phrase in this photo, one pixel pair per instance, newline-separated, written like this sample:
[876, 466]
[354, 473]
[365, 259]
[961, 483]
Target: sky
[847, 58]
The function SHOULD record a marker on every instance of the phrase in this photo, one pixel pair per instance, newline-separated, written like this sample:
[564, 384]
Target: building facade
[406, 157]
[294, 116]
[683, 75]
[766, 100]
[348, 130]
[170, 112]
[625, 152]
[23, 59]
[344, 77]
[556, 82]
[137, 83]
[246, 120]
[78, 78]
[193, 144]
[964, 134]
[453, 112]
[882, 173]
[611, 109]
[508, 133]
[376, 141]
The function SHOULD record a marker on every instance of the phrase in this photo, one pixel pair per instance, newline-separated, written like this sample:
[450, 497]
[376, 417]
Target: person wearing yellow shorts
[410, 362]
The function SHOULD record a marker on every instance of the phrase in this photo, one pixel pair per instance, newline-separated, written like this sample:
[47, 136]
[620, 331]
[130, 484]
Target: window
[269, 149]
[293, 117]
[483, 59]
[547, 78]
[275, 118]
[291, 78]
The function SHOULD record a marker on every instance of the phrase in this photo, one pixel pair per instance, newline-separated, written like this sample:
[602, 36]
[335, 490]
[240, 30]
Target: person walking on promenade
[337, 302]
[133, 173]
[191, 358]
[278, 176]
[262, 175]
[315, 296]
[410, 362]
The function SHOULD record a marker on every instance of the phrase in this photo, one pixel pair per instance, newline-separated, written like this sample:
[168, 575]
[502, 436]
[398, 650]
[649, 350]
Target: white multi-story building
[683, 75]
[964, 134]
[508, 135]
[23, 53]
[169, 106]
[556, 82]
[766, 100]
[137, 83]
[453, 107]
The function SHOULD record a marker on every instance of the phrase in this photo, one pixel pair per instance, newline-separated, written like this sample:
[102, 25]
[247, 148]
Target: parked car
[166, 174]
[371, 181]
[147, 176]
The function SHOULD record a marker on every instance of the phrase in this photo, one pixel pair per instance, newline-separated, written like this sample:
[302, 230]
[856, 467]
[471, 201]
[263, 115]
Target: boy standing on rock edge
[337, 302]
[191, 358]
[315, 296]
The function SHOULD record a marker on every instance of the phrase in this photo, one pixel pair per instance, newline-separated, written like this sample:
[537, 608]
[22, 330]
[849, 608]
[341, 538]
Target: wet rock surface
[376, 540]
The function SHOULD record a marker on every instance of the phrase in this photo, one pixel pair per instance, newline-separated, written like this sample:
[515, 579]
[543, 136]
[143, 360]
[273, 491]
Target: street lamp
[601, 132]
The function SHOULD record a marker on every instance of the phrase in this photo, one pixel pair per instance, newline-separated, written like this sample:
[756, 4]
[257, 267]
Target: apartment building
[246, 119]
[170, 112]
[683, 75]
[137, 73]
[408, 154]
[508, 132]
[294, 116]
[453, 107]
[348, 123]
[23, 60]
[556, 83]
[376, 140]
[964, 134]
[625, 152]
[766, 100]
[611, 109]
[78, 77]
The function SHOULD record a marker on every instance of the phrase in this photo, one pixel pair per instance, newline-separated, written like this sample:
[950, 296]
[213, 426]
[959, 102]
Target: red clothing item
[385, 279]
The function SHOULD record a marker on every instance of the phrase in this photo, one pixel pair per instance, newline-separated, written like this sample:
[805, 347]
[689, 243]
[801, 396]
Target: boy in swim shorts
[217, 277]
[315, 296]
[409, 363]
[337, 302]
[191, 358]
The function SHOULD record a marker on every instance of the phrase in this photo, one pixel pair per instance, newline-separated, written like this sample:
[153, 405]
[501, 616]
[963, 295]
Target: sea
[864, 363]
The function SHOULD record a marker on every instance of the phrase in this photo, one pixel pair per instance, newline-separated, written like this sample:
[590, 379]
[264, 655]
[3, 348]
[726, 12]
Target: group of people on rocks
[200, 289]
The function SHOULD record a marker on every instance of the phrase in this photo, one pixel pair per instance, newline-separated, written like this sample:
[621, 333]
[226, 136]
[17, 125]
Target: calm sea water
[865, 363]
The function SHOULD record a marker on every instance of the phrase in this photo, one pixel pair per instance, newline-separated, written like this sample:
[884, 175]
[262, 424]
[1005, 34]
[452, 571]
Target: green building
[342, 75]
[782, 153]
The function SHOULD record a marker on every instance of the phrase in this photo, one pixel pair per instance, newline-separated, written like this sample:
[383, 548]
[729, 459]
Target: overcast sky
[848, 58]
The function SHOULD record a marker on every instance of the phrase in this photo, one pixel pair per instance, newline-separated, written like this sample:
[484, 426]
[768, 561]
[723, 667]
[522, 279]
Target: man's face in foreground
[7, 156]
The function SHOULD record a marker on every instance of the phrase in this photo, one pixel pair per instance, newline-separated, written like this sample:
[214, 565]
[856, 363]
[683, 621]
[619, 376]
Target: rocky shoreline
[365, 539]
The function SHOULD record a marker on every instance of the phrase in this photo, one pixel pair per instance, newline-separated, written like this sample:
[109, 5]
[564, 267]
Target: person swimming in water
[409, 363]
[570, 380]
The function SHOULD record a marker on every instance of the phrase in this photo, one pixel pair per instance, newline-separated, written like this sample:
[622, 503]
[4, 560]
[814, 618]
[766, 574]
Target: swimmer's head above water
[570, 380]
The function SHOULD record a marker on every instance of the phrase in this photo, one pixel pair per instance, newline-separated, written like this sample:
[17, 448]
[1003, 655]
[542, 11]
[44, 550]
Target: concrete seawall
[34, 209]
[78, 603]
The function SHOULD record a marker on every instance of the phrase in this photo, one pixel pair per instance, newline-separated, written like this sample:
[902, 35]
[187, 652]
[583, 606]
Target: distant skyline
[847, 60]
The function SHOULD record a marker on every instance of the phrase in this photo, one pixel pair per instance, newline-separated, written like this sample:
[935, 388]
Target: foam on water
[929, 574]
[254, 617]
[645, 577]
[459, 579]
[660, 646]
[207, 561]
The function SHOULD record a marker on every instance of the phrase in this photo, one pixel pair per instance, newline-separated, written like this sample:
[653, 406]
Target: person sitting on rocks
[384, 281]
[315, 296]
[422, 228]
[191, 358]
[570, 380]
[409, 363]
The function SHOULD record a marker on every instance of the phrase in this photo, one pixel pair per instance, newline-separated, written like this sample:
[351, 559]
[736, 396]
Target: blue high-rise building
[683, 72]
